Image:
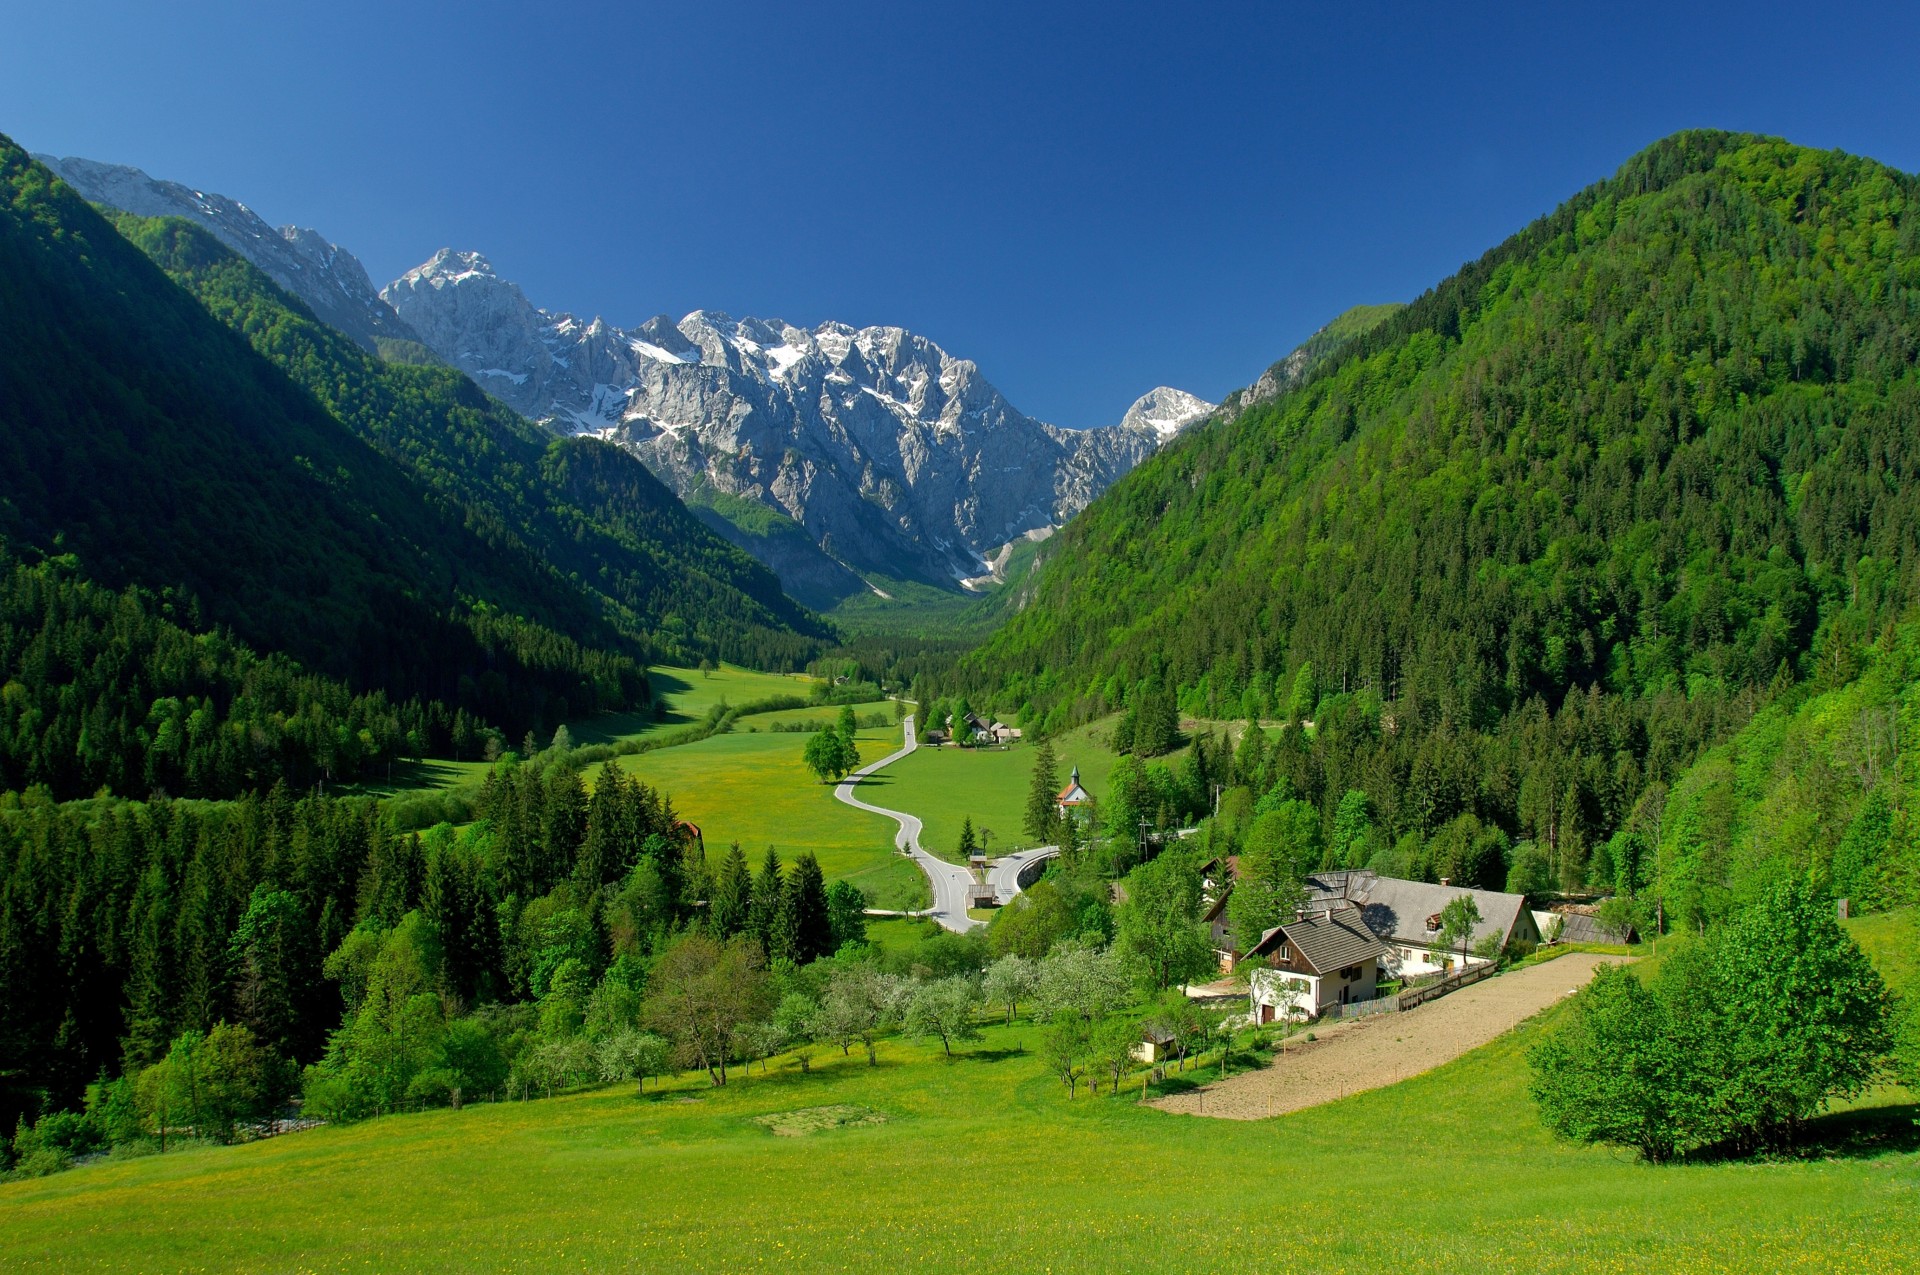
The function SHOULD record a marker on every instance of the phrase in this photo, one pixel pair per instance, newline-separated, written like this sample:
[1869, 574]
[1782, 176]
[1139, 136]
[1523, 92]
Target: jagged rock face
[898, 459]
[328, 278]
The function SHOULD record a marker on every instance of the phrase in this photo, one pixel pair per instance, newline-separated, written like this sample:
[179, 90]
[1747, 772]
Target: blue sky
[1086, 200]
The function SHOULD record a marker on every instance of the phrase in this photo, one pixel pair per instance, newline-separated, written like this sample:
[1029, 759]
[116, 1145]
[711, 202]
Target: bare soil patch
[806, 1120]
[1367, 1053]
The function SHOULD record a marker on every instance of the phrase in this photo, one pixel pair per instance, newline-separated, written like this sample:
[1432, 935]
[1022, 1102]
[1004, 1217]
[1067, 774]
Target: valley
[488, 787]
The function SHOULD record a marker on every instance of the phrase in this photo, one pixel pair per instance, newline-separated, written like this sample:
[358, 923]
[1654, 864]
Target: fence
[1362, 1009]
[1453, 982]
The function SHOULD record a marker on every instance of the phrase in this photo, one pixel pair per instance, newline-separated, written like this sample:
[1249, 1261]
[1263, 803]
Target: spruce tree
[600, 854]
[968, 843]
[763, 913]
[806, 922]
[732, 904]
[1043, 814]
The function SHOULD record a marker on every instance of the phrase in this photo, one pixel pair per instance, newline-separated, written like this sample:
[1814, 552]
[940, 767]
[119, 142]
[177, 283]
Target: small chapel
[1073, 798]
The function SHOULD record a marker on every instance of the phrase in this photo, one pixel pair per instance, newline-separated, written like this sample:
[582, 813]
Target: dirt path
[1367, 1053]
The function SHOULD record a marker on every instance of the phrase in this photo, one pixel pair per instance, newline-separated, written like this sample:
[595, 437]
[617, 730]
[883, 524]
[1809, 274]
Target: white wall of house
[1412, 960]
[1267, 990]
[1321, 993]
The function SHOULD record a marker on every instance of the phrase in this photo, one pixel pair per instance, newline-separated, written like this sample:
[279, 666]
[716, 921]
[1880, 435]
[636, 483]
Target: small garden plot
[806, 1120]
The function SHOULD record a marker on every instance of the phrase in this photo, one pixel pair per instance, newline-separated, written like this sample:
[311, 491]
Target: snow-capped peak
[1166, 411]
[449, 266]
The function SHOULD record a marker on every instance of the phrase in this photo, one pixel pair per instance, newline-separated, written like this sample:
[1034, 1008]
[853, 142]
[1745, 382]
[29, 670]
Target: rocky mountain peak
[1166, 411]
[328, 278]
[897, 459]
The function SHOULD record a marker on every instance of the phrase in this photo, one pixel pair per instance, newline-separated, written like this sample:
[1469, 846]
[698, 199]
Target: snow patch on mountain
[898, 459]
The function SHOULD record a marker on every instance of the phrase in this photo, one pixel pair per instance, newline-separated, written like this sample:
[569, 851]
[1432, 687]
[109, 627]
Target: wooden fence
[1451, 983]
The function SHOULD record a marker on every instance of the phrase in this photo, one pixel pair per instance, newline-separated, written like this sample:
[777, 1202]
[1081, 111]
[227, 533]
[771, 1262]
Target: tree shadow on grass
[1175, 1084]
[990, 1055]
[1861, 1134]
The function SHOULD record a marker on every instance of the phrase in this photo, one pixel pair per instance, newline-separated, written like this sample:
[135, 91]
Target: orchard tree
[944, 1008]
[1457, 920]
[1010, 980]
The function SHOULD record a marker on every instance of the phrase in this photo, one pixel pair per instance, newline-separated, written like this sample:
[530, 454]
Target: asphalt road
[949, 880]
[1004, 873]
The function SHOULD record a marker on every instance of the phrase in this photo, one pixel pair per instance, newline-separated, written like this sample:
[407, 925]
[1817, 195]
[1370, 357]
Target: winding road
[949, 880]
[1004, 874]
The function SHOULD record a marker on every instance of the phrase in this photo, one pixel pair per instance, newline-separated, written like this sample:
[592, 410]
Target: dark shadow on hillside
[1862, 1134]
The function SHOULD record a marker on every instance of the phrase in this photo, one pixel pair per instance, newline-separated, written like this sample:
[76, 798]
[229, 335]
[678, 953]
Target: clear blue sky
[1086, 200]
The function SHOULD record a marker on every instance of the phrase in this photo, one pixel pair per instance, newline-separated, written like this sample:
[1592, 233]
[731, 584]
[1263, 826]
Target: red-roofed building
[1073, 797]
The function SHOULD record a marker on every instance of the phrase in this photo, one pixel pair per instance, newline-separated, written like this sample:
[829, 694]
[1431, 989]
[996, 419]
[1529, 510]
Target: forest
[1508, 565]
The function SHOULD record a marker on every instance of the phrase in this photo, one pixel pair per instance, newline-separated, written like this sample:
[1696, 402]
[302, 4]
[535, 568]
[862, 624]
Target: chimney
[1327, 915]
[1445, 881]
[1299, 914]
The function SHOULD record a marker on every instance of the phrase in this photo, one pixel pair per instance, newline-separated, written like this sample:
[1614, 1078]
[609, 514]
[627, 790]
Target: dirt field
[1367, 1053]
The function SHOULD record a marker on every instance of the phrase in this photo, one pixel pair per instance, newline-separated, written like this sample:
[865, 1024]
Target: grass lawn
[981, 1164]
[1891, 938]
[898, 934]
[753, 788]
[688, 695]
[945, 785]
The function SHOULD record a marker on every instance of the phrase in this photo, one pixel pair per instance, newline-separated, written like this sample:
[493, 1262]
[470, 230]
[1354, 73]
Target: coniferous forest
[1634, 489]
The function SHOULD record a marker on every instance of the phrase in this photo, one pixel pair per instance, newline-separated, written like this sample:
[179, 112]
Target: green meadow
[981, 1164]
[946, 785]
[688, 694]
[751, 786]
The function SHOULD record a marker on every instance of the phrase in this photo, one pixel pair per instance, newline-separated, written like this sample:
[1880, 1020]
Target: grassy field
[752, 787]
[688, 695]
[981, 1164]
[945, 785]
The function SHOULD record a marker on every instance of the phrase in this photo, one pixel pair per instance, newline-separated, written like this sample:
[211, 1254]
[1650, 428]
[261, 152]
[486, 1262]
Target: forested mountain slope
[1535, 540]
[580, 505]
[152, 444]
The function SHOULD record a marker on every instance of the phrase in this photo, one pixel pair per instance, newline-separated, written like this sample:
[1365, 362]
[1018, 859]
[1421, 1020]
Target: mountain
[582, 508]
[328, 278]
[1527, 546]
[1347, 327]
[896, 460]
[407, 535]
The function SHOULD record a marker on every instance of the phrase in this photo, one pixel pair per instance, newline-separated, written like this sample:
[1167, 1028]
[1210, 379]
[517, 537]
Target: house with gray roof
[1406, 916]
[1320, 959]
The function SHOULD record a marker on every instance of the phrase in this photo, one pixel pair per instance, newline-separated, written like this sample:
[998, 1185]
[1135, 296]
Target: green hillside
[593, 513]
[150, 444]
[981, 1164]
[1529, 545]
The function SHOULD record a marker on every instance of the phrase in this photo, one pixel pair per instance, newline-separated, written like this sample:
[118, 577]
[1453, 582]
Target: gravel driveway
[1367, 1053]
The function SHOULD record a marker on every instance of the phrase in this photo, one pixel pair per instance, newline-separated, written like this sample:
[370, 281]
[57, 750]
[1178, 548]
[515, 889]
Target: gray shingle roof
[1578, 927]
[1398, 910]
[1327, 943]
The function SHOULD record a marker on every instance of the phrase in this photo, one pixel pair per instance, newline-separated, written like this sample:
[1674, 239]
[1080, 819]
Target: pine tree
[149, 1022]
[600, 854]
[732, 906]
[969, 845]
[1043, 814]
[566, 821]
[763, 916]
[806, 922]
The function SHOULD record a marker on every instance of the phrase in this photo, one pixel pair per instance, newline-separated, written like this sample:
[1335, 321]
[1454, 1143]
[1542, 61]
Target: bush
[1736, 1043]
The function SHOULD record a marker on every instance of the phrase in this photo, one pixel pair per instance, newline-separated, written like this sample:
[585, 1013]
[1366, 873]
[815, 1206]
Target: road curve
[1004, 875]
[949, 880]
